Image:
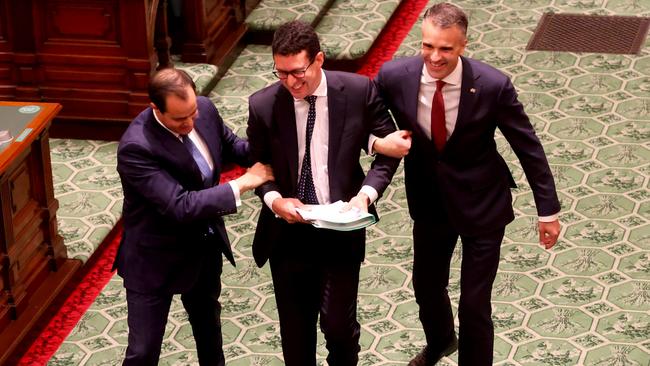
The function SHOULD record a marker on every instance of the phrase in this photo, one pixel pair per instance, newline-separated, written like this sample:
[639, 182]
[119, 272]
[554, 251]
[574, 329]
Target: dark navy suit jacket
[355, 111]
[468, 181]
[173, 228]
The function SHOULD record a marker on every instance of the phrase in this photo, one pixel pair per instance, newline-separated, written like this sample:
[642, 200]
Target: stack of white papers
[331, 217]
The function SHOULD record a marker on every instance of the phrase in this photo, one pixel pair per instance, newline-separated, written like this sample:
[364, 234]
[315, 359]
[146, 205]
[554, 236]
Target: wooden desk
[34, 266]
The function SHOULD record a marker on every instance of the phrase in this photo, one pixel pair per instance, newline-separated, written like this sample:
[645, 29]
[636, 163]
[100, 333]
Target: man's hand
[394, 145]
[286, 209]
[256, 175]
[360, 202]
[548, 233]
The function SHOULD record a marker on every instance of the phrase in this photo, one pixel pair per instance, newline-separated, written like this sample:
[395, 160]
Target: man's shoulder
[137, 129]
[204, 102]
[345, 76]
[341, 80]
[412, 62]
[265, 94]
[138, 123]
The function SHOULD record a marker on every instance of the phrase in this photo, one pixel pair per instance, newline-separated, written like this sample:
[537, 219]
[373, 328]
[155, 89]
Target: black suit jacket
[172, 224]
[355, 111]
[468, 182]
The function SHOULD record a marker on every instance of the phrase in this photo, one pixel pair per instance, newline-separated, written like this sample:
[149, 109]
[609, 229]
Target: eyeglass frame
[301, 72]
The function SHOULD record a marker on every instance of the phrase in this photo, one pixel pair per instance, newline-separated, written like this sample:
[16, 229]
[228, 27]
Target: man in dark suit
[169, 160]
[457, 184]
[311, 126]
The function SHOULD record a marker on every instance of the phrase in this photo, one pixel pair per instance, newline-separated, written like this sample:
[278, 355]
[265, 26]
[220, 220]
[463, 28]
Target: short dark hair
[169, 81]
[446, 15]
[293, 37]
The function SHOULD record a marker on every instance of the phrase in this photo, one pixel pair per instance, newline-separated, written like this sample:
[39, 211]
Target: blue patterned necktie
[306, 190]
[206, 172]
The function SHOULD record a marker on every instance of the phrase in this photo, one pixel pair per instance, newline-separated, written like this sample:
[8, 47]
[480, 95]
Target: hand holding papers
[331, 217]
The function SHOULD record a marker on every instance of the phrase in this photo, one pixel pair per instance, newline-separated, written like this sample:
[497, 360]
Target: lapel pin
[472, 90]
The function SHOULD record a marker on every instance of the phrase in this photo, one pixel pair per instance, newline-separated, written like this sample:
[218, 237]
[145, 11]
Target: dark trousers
[309, 285]
[434, 243]
[147, 317]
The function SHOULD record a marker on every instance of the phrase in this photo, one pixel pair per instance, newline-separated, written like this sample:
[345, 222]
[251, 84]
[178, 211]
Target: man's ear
[320, 58]
[464, 44]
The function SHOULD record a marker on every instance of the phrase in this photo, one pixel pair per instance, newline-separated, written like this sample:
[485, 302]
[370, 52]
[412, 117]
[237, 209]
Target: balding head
[168, 82]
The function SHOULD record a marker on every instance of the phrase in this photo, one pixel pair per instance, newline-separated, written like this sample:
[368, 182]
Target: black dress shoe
[428, 358]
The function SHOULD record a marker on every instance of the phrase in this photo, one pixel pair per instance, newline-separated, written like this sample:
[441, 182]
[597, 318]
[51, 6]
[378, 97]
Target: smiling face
[180, 113]
[441, 48]
[300, 87]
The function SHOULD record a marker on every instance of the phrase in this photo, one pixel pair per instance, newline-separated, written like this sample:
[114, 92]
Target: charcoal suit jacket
[173, 228]
[355, 111]
[468, 181]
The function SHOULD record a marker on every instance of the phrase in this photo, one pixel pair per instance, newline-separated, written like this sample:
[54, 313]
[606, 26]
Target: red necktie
[438, 129]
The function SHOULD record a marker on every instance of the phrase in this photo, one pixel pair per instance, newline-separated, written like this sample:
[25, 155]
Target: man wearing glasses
[311, 126]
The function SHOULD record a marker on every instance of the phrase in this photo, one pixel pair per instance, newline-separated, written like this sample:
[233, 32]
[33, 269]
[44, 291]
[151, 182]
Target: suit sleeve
[520, 134]
[380, 83]
[235, 149]
[260, 145]
[380, 124]
[141, 172]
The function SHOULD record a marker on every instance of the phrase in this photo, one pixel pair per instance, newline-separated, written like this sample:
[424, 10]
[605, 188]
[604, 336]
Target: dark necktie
[306, 191]
[438, 129]
[206, 172]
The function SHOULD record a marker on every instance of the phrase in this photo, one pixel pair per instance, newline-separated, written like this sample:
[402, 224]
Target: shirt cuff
[550, 218]
[371, 144]
[370, 192]
[271, 196]
[235, 192]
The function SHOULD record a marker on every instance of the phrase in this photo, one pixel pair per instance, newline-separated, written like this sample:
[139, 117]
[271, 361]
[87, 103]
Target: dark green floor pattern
[586, 302]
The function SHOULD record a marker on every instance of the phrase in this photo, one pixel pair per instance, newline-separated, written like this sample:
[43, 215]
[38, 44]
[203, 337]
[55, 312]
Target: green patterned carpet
[270, 14]
[586, 302]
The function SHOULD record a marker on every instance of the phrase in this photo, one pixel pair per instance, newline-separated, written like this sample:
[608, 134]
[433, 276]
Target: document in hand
[331, 217]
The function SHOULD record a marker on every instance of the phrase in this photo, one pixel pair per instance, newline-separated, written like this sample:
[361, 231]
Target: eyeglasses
[298, 74]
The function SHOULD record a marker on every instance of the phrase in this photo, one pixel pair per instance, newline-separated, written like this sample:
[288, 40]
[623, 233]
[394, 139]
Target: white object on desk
[5, 136]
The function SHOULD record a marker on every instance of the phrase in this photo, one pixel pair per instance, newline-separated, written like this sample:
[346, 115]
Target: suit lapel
[336, 105]
[175, 149]
[285, 116]
[410, 94]
[411, 88]
[469, 94]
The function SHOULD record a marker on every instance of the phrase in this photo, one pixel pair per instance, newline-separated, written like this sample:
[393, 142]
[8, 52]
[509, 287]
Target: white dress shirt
[205, 152]
[319, 147]
[450, 94]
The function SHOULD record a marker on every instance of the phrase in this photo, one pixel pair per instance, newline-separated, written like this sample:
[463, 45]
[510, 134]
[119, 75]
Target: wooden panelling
[213, 28]
[80, 22]
[82, 76]
[95, 57]
[5, 72]
[26, 224]
[20, 189]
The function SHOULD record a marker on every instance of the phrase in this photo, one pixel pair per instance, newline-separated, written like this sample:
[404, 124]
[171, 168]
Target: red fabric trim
[60, 326]
[92, 283]
[392, 36]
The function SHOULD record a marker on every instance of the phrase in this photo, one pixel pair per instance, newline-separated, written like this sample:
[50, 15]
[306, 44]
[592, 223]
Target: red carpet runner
[98, 276]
